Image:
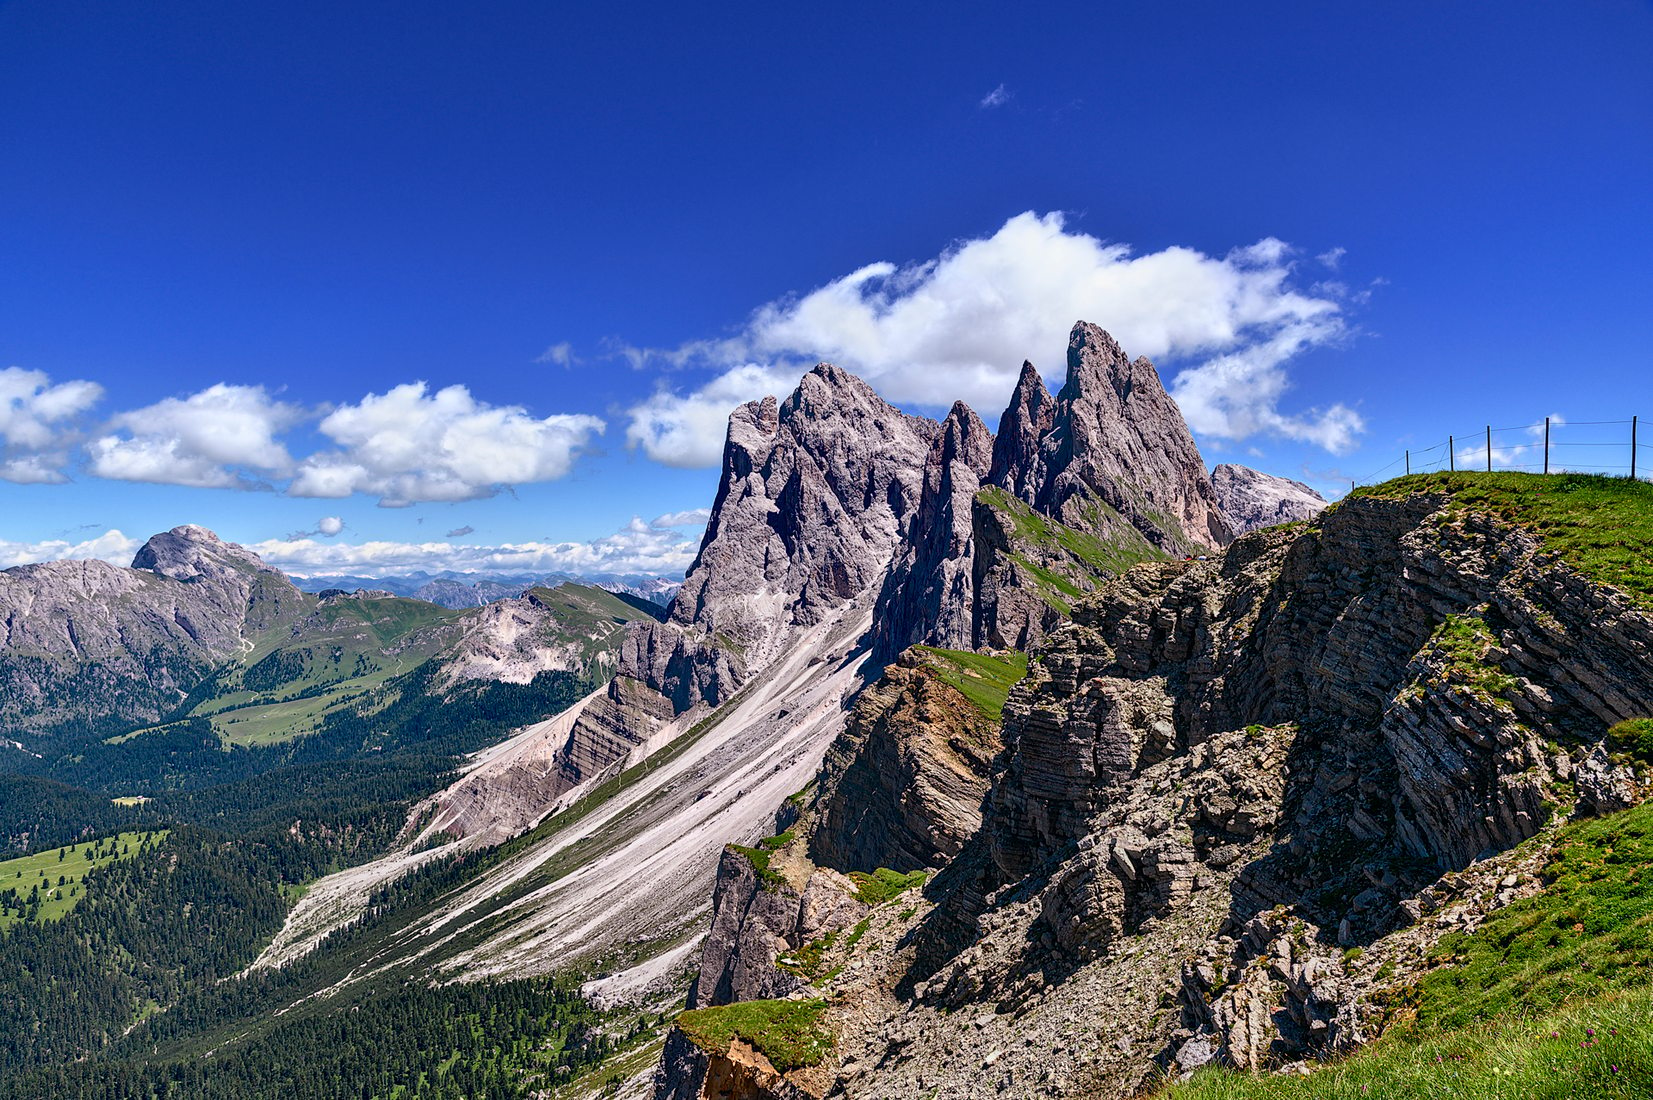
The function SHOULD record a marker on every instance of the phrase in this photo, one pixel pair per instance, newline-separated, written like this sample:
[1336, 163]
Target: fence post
[1489, 448]
[1633, 448]
[1409, 463]
[1546, 444]
[1451, 455]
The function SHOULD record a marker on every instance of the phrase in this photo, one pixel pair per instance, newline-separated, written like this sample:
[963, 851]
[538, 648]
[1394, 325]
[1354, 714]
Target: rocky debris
[927, 596]
[1251, 500]
[574, 629]
[902, 787]
[89, 642]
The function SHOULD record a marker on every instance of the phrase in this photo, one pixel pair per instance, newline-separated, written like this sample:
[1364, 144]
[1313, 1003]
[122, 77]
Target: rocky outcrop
[1223, 774]
[816, 495]
[1251, 500]
[758, 918]
[93, 645]
[903, 786]
[1117, 437]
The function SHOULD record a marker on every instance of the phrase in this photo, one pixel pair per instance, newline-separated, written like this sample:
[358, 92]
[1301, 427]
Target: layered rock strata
[1220, 776]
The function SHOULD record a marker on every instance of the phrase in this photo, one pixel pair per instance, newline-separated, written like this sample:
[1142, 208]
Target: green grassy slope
[1552, 996]
[1601, 526]
[983, 678]
[56, 876]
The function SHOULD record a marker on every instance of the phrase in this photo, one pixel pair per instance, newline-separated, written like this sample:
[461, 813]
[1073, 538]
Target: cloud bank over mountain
[958, 327]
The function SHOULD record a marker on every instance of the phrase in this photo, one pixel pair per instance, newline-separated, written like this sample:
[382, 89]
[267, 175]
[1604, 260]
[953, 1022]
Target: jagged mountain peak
[1251, 499]
[189, 551]
[1025, 421]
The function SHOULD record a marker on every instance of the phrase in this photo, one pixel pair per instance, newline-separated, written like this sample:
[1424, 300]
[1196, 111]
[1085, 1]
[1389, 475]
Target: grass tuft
[982, 678]
[883, 884]
[788, 1033]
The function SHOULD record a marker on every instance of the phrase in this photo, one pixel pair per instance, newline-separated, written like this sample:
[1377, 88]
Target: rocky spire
[927, 596]
[1118, 438]
[1025, 422]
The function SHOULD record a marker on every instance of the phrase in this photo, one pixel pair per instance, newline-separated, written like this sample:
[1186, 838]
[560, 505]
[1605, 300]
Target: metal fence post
[1489, 448]
[1451, 455]
[1409, 463]
[1633, 448]
[1546, 444]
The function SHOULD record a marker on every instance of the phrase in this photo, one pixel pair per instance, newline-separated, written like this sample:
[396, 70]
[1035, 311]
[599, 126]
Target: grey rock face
[1117, 436]
[815, 496]
[1251, 500]
[756, 920]
[927, 596]
[1081, 487]
[90, 642]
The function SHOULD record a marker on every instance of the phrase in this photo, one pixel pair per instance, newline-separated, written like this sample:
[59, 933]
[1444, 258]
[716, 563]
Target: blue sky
[234, 239]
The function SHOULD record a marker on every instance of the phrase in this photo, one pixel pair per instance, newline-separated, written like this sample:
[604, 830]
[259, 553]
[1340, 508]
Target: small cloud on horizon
[998, 97]
[461, 532]
[326, 527]
[561, 355]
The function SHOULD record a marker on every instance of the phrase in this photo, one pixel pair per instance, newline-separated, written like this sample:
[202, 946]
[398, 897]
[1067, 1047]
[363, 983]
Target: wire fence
[1550, 446]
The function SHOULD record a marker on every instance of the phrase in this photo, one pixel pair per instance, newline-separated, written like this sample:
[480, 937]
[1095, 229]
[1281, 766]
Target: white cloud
[409, 445]
[692, 517]
[998, 97]
[111, 546]
[959, 326]
[1333, 257]
[214, 439]
[561, 355]
[638, 547]
[687, 430]
[36, 424]
[326, 526]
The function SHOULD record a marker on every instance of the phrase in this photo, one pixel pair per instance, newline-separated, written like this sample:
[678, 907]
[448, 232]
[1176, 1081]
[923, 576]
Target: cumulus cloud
[959, 326]
[410, 445]
[687, 430]
[998, 97]
[223, 437]
[326, 526]
[692, 517]
[639, 547]
[111, 546]
[37, 424]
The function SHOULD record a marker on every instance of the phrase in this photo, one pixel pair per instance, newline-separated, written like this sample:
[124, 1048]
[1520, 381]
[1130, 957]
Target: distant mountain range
[459, 590]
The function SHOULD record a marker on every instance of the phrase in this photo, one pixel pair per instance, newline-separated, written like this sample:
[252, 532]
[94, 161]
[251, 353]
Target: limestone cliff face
[89, 642]
[816, 496]
[1117, 436]
[903, 786]
[927, 596]
[1251, 500]
[1083, 486]
[1223, 773]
